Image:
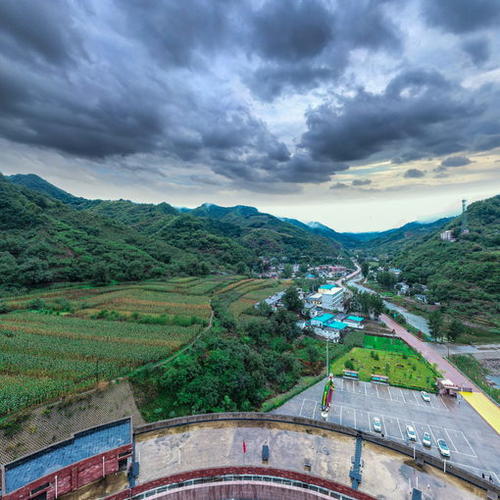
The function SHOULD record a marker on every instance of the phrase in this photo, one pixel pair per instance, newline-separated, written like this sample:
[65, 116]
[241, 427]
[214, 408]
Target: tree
[436, 324]
[386, 279]
[287, 271]
[365, 267]
[292, 300]
[455, 328]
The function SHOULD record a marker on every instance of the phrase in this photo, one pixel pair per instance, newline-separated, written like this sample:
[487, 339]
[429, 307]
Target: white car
[425, 397]
[443, 448]
[377, 424]
[410, 432]
[426, 440]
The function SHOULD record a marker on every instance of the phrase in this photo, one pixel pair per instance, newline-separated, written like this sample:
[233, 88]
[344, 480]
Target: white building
[332, 297]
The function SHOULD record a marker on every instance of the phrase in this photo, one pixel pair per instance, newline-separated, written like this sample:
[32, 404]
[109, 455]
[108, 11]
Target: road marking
[400, 431]
[451, 440]
[442, 402]
[340, 420]
[403, 395]
[366, 392]
[378, 395]
[301, 408]
[468, 444]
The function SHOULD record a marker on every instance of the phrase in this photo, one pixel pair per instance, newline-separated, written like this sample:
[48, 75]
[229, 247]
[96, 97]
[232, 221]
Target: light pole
[327, 371]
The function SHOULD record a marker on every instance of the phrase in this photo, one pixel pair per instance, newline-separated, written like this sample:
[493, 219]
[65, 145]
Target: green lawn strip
[390, 344]
[471, 367]
[403, 371]
[303, 384]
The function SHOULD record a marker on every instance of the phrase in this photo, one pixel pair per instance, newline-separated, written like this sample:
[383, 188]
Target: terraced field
[61, 340]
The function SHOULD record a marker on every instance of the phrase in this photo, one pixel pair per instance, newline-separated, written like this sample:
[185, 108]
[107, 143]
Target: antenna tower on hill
[465, 227]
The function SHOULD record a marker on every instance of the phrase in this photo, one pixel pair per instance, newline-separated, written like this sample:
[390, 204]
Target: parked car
[425, 397]
[377, 424]
[443, 448]
[410, 432]
[426, 440]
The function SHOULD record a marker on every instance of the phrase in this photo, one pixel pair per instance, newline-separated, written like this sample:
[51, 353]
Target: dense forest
[48, 235]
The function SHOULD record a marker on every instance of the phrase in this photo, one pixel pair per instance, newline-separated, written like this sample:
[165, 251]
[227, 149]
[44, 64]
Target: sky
[362, 115]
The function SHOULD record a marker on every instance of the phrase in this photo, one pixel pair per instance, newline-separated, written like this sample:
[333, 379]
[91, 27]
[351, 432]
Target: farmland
[60, 340]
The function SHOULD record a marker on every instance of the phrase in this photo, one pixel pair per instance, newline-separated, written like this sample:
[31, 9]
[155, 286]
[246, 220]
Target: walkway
[424, 348]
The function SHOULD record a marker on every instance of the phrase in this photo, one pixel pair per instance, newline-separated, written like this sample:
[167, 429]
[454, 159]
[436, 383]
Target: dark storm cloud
[179, 32]
[303, 44]
[455, 161]
[39, 29]
[414, 173]
[291, 31]
[461, 16]
[361, 182]
[165, 80]
[478, 50]
[419, 114]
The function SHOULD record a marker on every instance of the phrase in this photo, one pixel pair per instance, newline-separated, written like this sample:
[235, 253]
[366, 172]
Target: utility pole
[465, 228]
[327, 368]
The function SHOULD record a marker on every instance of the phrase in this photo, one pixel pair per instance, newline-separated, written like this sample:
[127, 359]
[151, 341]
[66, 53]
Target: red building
[68, 465]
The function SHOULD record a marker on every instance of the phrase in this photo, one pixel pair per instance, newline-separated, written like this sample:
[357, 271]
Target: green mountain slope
[393, 240]
[465, 274]
[43, 240]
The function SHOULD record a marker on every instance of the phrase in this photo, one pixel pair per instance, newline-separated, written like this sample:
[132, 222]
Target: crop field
[77, 335]
[404, 371]
[56, 341]
[44, 355]
[247, 293]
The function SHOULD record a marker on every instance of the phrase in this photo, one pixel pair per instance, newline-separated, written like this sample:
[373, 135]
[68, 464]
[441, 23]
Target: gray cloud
[339, 185]
[361, 182]
[414, 173]
[419, 114]
[478, 50]
[455, 161]
[187, 84]
[461, 16]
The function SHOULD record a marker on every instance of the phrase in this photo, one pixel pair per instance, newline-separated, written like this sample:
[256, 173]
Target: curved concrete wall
[329, 426]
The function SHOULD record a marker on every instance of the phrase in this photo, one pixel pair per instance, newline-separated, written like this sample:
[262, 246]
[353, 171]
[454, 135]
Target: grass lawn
[402, 370]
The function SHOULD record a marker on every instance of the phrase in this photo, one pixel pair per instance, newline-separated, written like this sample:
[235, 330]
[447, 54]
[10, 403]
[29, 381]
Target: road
[473, 443]
[413, 319]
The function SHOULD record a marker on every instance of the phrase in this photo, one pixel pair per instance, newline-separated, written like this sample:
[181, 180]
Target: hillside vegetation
[49, 235]
[463, 275]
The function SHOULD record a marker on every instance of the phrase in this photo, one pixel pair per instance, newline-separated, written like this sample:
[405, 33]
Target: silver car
[426, 440]
[377, 424]
[410, 432]
[443, 448]
[425, 396]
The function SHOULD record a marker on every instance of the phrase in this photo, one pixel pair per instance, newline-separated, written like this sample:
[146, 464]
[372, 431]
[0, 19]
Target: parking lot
[472, 442]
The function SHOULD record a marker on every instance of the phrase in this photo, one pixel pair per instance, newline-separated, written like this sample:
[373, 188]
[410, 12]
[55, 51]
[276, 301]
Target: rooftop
[355, 318]
[324, 317]
[327, 287]
[338, 325]
[82, 445]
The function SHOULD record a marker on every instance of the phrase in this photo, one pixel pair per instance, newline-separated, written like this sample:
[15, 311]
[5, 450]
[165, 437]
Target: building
[327, 321]
[447, 235]
[354, 321]
[395, 270]
[322, 320]
[68, 465]
[332, 297]
[315, 299]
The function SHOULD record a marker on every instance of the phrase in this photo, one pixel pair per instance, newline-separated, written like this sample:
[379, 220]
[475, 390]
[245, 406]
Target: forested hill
[393, 240]
[58, 237]
[464, 274]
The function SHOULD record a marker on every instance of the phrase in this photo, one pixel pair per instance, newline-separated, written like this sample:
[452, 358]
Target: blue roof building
[337, 325]
[327, 287]
[82, 445]
[357, 319]
[322, 319]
